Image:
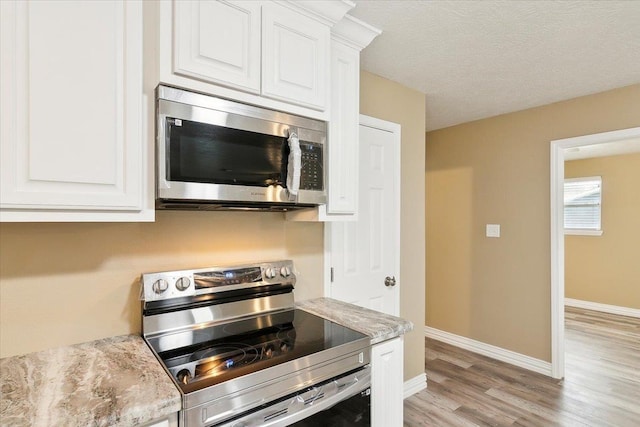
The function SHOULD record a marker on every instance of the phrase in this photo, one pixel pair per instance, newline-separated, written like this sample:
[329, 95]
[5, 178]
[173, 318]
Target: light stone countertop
[118, 382]
[110, 382]
[379, 326]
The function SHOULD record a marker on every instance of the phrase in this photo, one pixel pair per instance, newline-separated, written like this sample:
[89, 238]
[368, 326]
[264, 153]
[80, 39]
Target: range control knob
[270, 273]
[160, 285]
[285, 271]
[183, 283]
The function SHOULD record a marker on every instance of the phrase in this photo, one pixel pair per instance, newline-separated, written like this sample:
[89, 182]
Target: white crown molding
[354, 32]
[498, 353]
[415, 385]
[328, 11]
[605, 308]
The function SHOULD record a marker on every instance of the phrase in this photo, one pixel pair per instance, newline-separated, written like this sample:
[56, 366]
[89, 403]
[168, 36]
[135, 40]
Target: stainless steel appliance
[242, 355]
[218, 154]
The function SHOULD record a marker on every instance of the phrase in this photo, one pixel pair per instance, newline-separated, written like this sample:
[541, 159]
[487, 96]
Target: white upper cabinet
[218, 42]
[295, 50]
[73, 145]
[269, 53]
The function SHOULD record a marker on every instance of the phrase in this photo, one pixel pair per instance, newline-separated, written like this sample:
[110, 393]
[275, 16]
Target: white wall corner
[498, 353]
[414, 385]
[605, 308]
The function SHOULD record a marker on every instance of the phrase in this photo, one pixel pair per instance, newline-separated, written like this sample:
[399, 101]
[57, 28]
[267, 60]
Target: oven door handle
[303, 405]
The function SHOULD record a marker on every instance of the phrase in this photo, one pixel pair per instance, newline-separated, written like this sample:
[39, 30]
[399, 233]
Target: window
[582, 206]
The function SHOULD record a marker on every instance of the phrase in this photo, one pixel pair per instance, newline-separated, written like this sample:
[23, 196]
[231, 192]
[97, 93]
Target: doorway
[363, 256]
[558, 150]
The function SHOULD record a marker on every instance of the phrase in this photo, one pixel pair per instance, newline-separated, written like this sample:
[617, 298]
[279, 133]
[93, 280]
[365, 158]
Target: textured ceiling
[477, 59]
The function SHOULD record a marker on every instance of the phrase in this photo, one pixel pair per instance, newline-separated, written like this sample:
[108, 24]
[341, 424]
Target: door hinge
[331, 274]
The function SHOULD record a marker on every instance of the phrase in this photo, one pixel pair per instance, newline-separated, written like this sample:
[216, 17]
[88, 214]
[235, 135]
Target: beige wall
[67, 283]
[605, 269]
[390, 101]
[497, 171]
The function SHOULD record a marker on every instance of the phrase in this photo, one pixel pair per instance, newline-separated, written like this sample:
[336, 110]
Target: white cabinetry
[349, 37]
[73, 144]
[272, 54]
[343, 130]
[387, 383]
[295, 57]
[218, 42]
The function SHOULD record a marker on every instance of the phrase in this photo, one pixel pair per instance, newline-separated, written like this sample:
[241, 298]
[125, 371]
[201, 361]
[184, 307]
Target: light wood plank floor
[601, 386]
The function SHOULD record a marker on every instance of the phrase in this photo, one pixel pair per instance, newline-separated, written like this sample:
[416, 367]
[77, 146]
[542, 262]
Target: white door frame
[557, 233]
[395, 129]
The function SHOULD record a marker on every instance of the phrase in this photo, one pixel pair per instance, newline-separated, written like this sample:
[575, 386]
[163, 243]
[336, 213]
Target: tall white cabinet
[348, 37]
[71, 112]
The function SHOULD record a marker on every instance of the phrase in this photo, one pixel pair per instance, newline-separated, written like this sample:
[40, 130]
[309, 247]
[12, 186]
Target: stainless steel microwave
[218, 154]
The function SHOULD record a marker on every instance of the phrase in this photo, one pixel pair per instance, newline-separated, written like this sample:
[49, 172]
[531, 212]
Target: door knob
[390, 281]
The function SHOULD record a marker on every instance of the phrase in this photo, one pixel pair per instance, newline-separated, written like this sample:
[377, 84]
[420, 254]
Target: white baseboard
[414, 385]
[605, 308]
[498, 353]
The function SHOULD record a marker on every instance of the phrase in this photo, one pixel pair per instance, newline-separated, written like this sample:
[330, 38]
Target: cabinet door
[71, 106]
[218, 42]
[295, 57]
[387, 383]
[343, 130]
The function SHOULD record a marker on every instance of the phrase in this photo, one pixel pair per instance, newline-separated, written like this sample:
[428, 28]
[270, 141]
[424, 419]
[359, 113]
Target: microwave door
[207, 162]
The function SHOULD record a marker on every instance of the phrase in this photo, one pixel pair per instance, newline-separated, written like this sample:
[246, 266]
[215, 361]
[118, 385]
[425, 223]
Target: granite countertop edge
[114, 381]
[379, 326]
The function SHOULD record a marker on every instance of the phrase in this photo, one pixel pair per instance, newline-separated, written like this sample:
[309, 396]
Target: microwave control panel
[311, 176]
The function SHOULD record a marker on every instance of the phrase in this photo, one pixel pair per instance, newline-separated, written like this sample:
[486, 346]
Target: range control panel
[181, 283]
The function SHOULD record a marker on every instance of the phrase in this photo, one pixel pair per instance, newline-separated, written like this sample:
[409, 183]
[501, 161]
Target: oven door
[354, 411]
[339, 402]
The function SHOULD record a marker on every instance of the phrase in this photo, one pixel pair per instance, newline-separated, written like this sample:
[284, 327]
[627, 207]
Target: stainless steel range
[242, 355]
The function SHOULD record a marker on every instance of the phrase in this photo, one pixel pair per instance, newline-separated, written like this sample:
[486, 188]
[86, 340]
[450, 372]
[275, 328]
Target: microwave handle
[294, 165]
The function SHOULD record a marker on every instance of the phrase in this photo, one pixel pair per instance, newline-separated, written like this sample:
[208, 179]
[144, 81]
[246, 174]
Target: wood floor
[601, 385]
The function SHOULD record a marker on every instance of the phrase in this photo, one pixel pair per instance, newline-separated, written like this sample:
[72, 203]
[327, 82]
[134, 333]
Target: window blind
[582, 203]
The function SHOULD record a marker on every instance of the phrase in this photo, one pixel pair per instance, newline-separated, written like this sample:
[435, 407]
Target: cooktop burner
[203, 357]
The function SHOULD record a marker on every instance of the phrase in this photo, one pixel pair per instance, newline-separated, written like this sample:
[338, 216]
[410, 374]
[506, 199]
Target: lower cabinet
[387, 383]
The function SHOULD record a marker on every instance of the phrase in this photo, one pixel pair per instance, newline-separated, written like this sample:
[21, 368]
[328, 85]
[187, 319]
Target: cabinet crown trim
[354, 32]
[327, 11]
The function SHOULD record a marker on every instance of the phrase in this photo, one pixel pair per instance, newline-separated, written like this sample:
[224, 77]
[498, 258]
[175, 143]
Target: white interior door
[365, 253]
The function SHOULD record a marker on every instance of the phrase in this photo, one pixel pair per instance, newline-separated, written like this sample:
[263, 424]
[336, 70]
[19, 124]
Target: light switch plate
[493, 230]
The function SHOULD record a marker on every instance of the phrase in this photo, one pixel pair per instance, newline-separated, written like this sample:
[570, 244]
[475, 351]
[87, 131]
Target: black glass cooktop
[203, 357]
